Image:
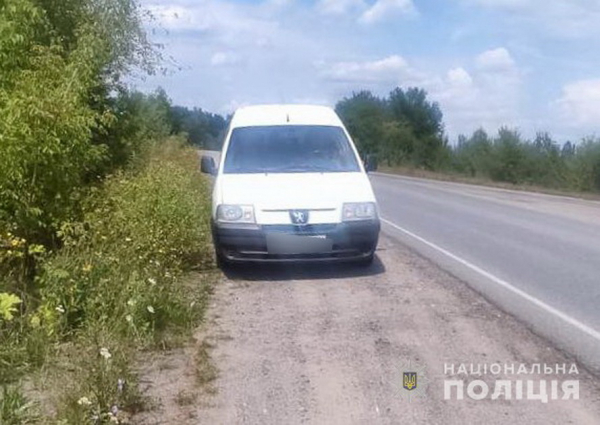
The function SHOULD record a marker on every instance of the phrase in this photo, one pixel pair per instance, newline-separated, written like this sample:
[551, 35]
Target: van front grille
[308, 229]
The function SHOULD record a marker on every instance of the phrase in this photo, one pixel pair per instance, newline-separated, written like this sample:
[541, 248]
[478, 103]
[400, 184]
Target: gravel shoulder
[325, 345]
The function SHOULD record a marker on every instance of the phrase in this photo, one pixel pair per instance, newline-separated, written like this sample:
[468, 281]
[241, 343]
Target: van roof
[260, 115]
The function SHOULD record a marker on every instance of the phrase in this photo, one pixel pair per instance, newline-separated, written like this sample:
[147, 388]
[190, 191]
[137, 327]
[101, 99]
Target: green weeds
[116, 286]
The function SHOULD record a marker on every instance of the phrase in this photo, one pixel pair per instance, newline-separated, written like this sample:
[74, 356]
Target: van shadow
[302, 271]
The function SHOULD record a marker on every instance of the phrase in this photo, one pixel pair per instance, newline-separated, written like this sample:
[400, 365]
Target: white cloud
[387, 9]
[495, 60]
[174, 17]
[233, 53]
[247, 52]
[560, 18]
[222, 19]
[459, 77]
[224, 58]
[580, 102]
[488, 96]
[388, 70]
[339, 7]
[279, 3]
[380, 76]
[510, 4]
[230, 107]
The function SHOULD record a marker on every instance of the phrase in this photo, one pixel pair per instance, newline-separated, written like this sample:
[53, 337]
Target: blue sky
[529, 64]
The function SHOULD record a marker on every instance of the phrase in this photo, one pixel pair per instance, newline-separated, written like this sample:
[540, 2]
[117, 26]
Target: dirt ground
[328, 345]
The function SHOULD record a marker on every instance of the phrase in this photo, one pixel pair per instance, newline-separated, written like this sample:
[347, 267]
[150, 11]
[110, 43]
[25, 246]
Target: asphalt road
[535, 255]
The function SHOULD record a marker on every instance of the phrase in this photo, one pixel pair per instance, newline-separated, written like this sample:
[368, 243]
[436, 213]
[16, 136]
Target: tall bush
[60, 64]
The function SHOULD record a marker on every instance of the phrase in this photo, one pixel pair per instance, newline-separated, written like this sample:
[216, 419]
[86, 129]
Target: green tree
[397, 144]
[546, 167]
[472, 156]
[203, 129]
[364, 116]
[60, 62]
[508, 157]
[411, 106]
[568, 150]
[142, 118]
[585, 165]
[424, 118]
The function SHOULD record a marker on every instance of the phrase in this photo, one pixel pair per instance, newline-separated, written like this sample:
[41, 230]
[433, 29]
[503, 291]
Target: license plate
[284, 244]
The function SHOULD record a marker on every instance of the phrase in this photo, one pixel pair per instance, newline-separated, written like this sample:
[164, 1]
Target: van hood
[295, 190]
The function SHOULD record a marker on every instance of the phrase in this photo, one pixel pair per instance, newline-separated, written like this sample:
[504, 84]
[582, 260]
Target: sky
[533, 65]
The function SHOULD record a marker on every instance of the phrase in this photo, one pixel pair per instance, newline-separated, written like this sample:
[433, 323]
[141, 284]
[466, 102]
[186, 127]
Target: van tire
[367, 261]
[222, 262]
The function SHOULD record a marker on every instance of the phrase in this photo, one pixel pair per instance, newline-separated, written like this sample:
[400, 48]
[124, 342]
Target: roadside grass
[478, 181]
[15, 409]
[206, 372]
[186, 398]
[117, 286]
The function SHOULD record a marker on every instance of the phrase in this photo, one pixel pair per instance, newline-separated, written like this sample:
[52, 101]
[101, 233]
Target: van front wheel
[222, 262]
[366, 261]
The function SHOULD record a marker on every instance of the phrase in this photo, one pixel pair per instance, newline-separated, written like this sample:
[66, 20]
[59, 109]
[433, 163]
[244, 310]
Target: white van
[290, 186]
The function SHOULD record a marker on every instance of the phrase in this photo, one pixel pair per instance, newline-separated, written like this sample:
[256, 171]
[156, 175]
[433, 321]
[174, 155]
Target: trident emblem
[409, 381]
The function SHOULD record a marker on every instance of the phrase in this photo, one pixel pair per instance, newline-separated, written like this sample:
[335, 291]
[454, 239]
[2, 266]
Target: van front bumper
[349, 241]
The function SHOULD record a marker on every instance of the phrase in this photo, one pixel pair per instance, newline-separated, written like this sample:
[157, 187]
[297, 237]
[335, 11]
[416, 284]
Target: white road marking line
[549, 309]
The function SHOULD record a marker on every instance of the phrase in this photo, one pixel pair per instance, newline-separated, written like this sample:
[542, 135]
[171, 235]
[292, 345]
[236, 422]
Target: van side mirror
[207, 165]
[371, 163]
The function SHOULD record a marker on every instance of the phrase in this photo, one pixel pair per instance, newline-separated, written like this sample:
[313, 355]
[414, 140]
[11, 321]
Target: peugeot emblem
[299, 217]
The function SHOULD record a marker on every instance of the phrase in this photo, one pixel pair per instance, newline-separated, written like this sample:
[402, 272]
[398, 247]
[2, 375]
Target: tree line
[405, 129]
[201, 128]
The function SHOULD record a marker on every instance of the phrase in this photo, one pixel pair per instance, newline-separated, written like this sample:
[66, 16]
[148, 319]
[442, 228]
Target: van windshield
[289, 149]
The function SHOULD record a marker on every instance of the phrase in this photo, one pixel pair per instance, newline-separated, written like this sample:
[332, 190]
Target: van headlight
[235, 214]
[359, 211]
